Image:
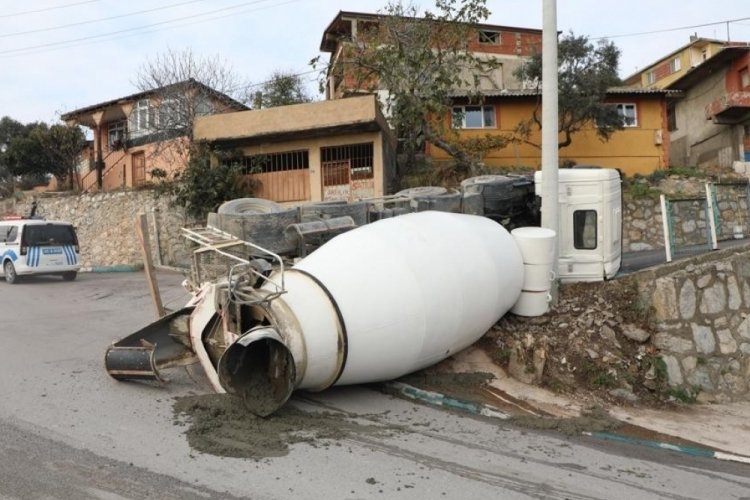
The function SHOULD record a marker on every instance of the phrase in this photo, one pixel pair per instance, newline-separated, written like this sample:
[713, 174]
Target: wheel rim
[10, 273]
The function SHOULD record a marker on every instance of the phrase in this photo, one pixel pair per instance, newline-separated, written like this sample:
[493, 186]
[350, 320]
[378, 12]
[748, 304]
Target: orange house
[507, 46]
[640, 148]
[134, 134]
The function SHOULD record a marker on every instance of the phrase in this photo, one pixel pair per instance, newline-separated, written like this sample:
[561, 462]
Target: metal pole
[550, 154]
[665, 226]
[711, 216]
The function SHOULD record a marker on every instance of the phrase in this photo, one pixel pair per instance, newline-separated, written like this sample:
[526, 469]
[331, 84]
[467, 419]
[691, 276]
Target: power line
[665, 30]
[92, 21]
[16, 14]
[127, 30]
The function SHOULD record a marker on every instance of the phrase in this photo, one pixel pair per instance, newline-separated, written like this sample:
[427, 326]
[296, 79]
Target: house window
[140, 118]
[744, 78]
[358, 156]
[275, 162]
[651, 77]
[672, 116]
[584, 229]
[489, 37]
[474, 116]
[704, 54]
[116, 134]
[203, 106]
[674, 65]
[169, 114]
[628, 113]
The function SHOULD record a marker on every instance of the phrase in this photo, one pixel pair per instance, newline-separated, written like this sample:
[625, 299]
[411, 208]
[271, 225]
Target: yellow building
[640, 148]
[666, 70]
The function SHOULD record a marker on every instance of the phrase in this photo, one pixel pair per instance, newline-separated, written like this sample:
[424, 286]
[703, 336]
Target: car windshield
[50, 235]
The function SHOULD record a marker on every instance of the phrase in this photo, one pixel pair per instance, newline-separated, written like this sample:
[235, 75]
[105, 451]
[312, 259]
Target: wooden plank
[141, 229]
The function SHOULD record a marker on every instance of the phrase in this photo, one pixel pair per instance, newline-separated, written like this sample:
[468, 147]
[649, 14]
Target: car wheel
[10, 272]
[69, 275]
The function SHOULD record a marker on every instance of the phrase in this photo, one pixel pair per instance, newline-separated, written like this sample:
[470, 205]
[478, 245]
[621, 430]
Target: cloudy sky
[59, 55]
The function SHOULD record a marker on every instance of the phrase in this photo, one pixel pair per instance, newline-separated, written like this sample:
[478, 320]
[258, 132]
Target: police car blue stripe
[30, 257]
[9, 253]
[72, 252]
[66, 251]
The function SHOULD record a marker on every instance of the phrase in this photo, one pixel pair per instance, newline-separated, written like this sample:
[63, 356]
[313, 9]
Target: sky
[61, 55]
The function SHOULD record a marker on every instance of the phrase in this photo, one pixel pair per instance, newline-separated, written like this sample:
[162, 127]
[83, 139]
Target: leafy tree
[46, 150]
[201, 187]
[586, 72]
[281, 89]
[419, 62]
[9, 130]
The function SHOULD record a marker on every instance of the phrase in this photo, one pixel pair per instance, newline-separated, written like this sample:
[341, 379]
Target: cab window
[584, 229]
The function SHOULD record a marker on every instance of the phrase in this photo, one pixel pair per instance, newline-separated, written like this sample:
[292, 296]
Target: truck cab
[590, 224]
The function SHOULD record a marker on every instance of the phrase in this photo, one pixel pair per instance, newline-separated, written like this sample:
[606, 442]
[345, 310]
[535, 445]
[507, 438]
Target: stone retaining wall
[105, 223]
[642, 224]
[702, 314]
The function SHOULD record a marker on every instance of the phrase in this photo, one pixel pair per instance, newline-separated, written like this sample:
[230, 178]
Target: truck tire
[240, 206]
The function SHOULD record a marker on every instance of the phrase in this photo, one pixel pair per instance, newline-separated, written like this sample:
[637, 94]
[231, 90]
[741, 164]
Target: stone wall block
[674, 373]
[687, 300]
[727, 344]
[744, 328]
[701, 376]
[704, 280]
[672, 343]
[713, 299]
[665, 299]
[704, 339]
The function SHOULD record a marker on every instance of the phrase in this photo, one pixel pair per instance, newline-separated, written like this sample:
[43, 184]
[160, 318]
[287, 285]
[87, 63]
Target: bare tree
[182, 86]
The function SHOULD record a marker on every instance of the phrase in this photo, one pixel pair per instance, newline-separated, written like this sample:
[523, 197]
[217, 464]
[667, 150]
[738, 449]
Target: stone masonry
[702, 313]
[105, 223]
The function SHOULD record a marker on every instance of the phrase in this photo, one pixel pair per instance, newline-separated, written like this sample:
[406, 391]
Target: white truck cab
[590, 225]
[38, 246]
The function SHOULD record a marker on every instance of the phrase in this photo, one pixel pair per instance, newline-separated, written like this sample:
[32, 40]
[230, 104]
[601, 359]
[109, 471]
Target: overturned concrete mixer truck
[375, 302]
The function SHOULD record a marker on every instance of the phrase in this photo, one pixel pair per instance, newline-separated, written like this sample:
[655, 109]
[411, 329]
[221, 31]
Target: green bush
[201, 188]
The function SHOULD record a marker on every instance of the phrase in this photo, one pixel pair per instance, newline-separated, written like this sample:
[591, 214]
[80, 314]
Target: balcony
[729, 109]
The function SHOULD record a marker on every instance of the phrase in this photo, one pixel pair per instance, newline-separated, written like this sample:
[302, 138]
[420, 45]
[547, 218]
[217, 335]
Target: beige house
[135, 134]
[320, 151]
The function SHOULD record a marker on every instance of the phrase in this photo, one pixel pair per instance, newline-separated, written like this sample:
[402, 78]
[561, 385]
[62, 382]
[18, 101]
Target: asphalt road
[68, 431]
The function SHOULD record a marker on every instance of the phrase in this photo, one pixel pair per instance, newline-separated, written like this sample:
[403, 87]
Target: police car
[38, 246]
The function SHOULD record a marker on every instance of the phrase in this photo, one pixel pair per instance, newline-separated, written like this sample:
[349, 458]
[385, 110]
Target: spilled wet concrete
[220, 424]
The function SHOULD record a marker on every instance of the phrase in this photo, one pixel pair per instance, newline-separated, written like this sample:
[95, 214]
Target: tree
[200, 188]
[586, 72]
[419, 62]
[47, 150]
[281, 89]
[9, 130]
[178, 82]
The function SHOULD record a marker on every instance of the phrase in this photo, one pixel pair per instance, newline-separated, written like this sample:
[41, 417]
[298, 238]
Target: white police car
[38, 246]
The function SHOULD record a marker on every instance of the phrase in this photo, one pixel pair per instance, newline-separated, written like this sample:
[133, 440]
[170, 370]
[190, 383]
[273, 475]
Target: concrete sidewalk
[720, 427]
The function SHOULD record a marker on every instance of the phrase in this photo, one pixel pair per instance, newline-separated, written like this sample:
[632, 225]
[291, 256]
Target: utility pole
[550, 153]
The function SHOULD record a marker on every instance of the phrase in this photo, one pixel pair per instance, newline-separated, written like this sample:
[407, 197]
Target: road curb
[693, 451]
[437, 399]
